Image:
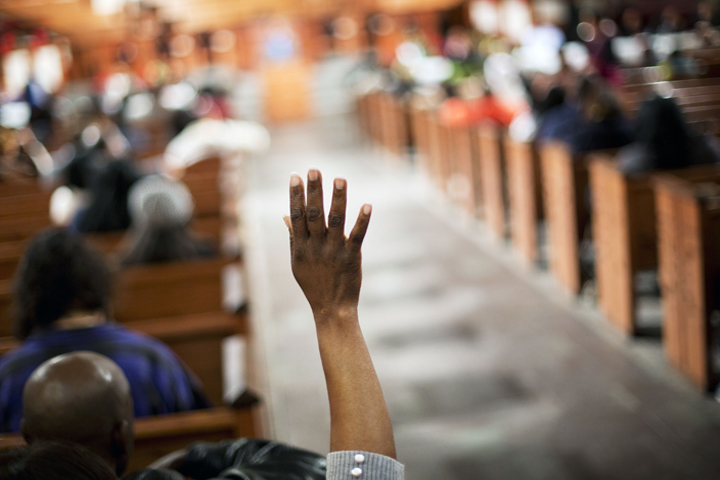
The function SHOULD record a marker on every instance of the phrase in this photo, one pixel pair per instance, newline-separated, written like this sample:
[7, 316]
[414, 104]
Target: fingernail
[313, 175]
[295, 180]
[339, 183]
[287, 221]
[367, 208]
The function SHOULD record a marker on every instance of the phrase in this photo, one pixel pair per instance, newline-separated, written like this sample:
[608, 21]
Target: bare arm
[327, 266]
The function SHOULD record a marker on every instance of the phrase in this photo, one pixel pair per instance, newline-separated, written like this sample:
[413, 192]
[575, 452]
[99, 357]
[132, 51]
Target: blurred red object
[456, 112]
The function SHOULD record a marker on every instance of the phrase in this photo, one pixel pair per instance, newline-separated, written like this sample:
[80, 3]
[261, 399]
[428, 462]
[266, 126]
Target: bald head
[81, 397]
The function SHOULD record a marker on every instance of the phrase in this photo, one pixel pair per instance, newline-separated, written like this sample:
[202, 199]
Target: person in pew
[664, 140]
[62, 304]
[53, 461]
[84, 398]
[107, 210]
[161, 210]
[593, 122]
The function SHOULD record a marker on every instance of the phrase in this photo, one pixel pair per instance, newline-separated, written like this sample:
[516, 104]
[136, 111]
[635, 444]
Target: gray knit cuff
[355, 465]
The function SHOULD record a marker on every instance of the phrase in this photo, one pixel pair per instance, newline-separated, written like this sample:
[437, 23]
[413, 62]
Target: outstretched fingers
[336, 218]
[358, 232]
[297, 208]
[315, 209]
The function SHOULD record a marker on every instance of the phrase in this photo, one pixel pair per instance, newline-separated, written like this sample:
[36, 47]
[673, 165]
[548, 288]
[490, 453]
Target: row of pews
[195, 307]
[545, 202]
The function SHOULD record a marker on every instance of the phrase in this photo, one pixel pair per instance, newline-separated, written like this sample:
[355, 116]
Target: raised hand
[326, 263]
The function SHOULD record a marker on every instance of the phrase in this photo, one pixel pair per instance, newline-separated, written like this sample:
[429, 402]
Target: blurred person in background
[591, 121]
[161, 210]
[62, 295]
[107, 208]
[664, 140]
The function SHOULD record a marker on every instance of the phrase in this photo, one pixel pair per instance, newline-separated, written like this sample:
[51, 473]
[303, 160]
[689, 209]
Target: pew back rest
[169, 290]
[688, 211]
[157, 436]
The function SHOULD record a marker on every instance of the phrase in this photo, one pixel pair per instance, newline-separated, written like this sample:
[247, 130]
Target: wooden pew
[419, 126]
[465, 168]
[625, 233]
[688, 214]
[169, 289]
[525, 201]
[492, 166]
[624, 237]
[439, 146]
[565, 183]
[22, 215]
[163, 434]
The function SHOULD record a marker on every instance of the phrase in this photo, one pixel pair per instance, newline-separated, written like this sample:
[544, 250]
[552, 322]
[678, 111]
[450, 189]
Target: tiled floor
[488, 371]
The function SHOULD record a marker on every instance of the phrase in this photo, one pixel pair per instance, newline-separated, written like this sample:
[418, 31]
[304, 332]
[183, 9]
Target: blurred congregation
[540, 279]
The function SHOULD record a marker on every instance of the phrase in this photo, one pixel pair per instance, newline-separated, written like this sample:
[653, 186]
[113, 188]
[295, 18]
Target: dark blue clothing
[158, 381]
[565, 123]
[557, 123]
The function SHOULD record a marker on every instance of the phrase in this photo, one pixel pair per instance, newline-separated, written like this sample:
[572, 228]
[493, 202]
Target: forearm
[358, 413]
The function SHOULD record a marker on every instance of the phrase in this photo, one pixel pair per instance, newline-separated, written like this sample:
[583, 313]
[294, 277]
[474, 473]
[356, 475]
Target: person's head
[160, 209]
[58, 275]
[109, 193]
[53, 461]
[595, 99]
[83, 398]
[663, 130]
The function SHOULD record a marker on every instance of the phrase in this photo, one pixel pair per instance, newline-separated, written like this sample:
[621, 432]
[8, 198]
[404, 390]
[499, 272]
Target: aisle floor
[488, 371]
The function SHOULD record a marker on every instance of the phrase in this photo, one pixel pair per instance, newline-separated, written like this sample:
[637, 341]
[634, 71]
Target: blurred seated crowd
[566, 81]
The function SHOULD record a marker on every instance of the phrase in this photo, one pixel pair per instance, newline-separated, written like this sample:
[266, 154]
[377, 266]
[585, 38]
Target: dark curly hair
[58, 273]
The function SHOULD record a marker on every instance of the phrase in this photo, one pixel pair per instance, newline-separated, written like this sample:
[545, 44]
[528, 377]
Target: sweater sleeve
[354, 465]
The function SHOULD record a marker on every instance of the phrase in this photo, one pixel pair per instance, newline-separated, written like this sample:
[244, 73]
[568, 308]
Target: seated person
[361, 438]
[53, 461]
[62, 304]
[663, 140]
[161, 210]
[594, 123]
[107, 210]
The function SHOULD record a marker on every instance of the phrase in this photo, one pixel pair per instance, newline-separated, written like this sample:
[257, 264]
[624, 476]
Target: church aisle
[485, 374]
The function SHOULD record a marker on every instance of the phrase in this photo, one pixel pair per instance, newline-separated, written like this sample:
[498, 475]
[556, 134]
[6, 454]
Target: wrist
[335, 316]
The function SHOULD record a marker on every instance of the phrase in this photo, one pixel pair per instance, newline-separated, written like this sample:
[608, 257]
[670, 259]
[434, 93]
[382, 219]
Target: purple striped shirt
[158, 381]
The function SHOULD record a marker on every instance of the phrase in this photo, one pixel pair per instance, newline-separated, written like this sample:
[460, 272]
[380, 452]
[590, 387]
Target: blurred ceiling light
[182, 46]
[222, 41]
[484, 16]
[516, 18]
[14, 115]
[586, 32]
[576, 56]
[431, 70]
[408, 53]
[177, 97]
[608, 27]
[16, 69]
[91, 135]
[344, 28]
[48, 67]
[139, 106]
[107, 7]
